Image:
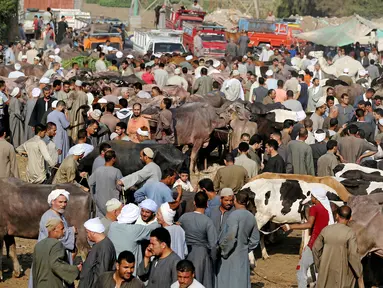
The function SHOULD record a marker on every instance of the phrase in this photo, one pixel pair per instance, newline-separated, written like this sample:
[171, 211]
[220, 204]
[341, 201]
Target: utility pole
[256, 6]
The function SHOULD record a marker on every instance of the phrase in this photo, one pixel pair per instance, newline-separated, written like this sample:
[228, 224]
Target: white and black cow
[281, 201]
[359, 180]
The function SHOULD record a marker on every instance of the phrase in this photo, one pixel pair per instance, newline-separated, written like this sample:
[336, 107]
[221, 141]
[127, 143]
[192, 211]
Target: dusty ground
[276, 272]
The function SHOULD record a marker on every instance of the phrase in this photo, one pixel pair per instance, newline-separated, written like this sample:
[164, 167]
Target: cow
[128, 157]
[22, 205]
[280, 201]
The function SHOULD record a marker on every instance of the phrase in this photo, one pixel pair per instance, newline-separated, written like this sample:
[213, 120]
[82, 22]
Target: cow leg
[263, 248]
[11, 247]
[194, 153]
[1, 257]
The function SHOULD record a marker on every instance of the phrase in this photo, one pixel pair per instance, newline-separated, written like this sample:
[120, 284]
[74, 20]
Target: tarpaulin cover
[343, 34]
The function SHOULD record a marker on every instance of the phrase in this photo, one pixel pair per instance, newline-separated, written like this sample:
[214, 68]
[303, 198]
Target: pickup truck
[176, 19]
[158, 41]
[70, 15]
[213, 38]
[273, 33]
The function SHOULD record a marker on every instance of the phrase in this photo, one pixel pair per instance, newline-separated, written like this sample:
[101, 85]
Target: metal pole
[256, 6]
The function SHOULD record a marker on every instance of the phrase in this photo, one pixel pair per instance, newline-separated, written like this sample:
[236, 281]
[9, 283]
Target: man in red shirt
[36, 27]
[320, 217]
[148, 76]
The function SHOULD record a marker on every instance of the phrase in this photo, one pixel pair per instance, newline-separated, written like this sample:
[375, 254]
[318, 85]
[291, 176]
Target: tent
[347, 33]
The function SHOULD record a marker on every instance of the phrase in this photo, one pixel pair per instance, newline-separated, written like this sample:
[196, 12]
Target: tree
[7, 12]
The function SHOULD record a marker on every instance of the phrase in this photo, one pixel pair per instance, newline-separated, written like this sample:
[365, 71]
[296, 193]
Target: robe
[100, 259]
[28, 109]
[8, 163]
[128, 237]
[50, 265]
[61, 138]
[160, 272]
[336, 257]
[67, 171]
[198, 46]
[39, 109]
[103, 184]
[203, 85]
[239, 236]
[16, 121]
[302, 157]
[75, 101]
[178, 241]
[201, 240]
[165, 128]
[106, 281]
[243, 44]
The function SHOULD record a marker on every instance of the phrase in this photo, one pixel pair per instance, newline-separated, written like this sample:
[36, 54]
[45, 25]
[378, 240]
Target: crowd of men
[174, 234]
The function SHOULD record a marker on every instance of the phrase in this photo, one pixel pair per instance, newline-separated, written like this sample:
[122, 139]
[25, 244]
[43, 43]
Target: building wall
[43, 4]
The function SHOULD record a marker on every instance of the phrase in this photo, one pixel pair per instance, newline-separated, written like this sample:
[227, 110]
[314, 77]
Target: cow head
[251, 205]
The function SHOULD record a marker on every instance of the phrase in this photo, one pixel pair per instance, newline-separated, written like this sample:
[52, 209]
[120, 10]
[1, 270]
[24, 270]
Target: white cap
[15, 91]
[36, 92]
[56, 193]
[268, 45]
[96, 114]
[189, 57]
[119, 54]
[44, 80]
[269, 73]
[113, 136]
[52, 56]
[148, 152]
[362, 73]
[102, 101]
[78, 150]
[24, 57]
[130, 56]
[235, 73]
[345, 70]
[149, 204]
[142, 133]
[37, 58]
[320, 103]
[33, 44]
[226, 192]
[94, 225]
[78, 83]
[216, 63]
[57, 51]
[110, 48]
[54, 104]
[177, 71]
[112, 204]
[381, 121]
[301, 115]
[17, 66]
[245, 57]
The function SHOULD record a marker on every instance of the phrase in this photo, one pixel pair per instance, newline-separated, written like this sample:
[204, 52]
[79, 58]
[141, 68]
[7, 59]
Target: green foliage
[116, 3]
[92, 1]
[67, 64]
[7, 11]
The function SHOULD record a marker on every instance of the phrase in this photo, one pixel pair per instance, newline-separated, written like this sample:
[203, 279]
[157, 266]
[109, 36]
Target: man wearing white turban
[101, 257]
[127, 235]
[113, 209]
[165, 216]
[320, 216]
[57, 200]
[148, 212]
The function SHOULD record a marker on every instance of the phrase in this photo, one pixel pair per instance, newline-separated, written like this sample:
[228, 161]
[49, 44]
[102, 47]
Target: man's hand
[359, 160]
[148, 253]
[59, 151]
[75, 230]
[83, 174]
[286, 227]
[85, 189]
[119, 182]
[79, 267]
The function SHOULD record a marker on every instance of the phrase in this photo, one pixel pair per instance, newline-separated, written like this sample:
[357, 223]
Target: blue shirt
[216, 201]
[157, 191]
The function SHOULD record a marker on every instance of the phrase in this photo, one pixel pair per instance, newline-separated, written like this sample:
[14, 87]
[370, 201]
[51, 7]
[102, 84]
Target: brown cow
[22, 205]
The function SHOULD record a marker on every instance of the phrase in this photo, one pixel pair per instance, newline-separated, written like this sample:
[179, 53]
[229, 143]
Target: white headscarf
[167, 213]
[94, 225]
[320, 194]
[129, 214]
[149, 204]
[56, 193]
[320, 136]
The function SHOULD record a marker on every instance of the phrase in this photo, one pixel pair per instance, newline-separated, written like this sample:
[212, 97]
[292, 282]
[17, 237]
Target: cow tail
[92, 208]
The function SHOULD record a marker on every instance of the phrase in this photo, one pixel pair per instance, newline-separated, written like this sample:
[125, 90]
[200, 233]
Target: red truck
[273, 33]
[213, 38]
[176, 19]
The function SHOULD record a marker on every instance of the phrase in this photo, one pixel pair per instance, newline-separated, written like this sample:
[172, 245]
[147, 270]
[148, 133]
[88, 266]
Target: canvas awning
[343, 34]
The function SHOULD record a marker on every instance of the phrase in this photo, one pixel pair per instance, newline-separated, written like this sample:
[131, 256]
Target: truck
[213, 38]
[263, 32]
[158, 41]
[70, 15]
[176, 19]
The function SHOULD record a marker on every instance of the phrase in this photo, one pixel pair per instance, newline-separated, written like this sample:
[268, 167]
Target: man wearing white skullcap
[16, 118]
[317, 116]
[148, 212]
[57, 200]
[126, 234]
[151, 171]
[320, 215]
[219, 214]
[68, 169]
[113, 209]
[177, 80]
[165, 217]
[17, 73]
[101, 257]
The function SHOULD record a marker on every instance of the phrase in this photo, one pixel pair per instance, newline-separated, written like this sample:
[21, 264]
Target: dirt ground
[276, 272]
